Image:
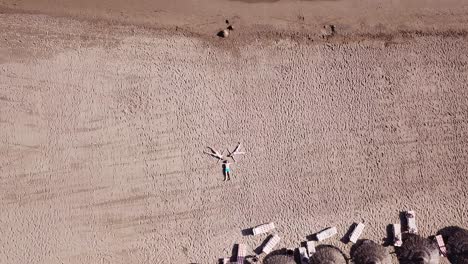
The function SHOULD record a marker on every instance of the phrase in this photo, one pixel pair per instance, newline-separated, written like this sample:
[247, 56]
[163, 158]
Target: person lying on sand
[226, 170]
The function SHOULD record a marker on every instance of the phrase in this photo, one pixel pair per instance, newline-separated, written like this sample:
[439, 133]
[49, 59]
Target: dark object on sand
[418, 250]
[328, 31]
[369, 252]
[251, 259]
[327, 255]
[223, 33]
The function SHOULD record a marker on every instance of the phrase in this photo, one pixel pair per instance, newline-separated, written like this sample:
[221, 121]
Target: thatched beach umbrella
[327, 255]
[369, 252]
[457, 245]
[418, 250]
[279, 259]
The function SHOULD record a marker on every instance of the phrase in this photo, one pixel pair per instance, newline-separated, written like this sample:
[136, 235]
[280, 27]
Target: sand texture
[102, 129]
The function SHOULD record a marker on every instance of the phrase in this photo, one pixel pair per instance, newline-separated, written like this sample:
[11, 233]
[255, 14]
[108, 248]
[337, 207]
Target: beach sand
[104, 117]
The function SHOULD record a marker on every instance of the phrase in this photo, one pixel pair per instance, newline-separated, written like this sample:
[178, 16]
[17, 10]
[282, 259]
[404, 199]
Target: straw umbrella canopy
[369, 252]
[457, 246]
[462, 259]
[418, 250]
[327, 255]
[279, 259]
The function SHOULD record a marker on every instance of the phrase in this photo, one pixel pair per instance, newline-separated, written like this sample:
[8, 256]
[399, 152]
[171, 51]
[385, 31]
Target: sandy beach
[106, 109]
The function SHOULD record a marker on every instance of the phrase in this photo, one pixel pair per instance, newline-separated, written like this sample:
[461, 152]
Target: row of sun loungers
[269, 246]
[309, 249]
[241, 254]
[306, 252]
[272, 242]
[411, 225]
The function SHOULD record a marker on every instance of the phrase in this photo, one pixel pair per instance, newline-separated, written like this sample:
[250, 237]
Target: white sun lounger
[274, 240]
[441, 243]
[327, 233]
[397, 239]
[411, 220]
[303, 256]
[263, 229]
[311, 247]
[241, 253]
[356, 233]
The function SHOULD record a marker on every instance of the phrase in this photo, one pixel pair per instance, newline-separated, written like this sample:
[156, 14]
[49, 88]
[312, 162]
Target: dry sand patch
[102, 134]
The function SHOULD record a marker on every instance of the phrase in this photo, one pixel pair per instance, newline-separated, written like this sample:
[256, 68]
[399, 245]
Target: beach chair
[397, 238]
[356, 233]
[274, 240]
[411, 221]
[303, 256]
[327, 233]
[241, 253]
[263, 229]
[310, 247]
[441, 244]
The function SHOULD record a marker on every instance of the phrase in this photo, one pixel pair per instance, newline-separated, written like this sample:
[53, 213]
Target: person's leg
[229, 175]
